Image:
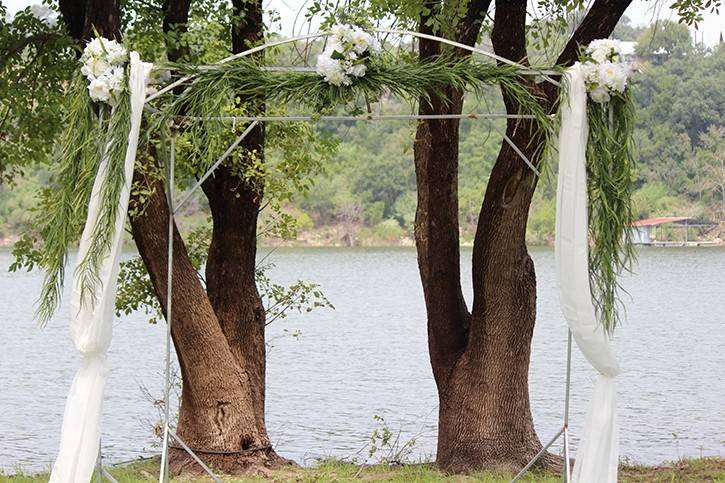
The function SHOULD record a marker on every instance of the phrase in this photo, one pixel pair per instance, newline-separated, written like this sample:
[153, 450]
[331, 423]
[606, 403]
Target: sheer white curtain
[91, 326]
[598, 453]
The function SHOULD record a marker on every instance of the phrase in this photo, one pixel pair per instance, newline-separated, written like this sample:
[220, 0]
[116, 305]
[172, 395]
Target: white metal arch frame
[546, 75]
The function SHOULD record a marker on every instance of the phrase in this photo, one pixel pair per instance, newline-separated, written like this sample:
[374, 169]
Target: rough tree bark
[218, 331]
[104, 16]
[224, 421]
[480, 360]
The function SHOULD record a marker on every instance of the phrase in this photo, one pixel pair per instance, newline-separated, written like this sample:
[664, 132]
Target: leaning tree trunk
[222, 420]
[218, 417]
[480, 360]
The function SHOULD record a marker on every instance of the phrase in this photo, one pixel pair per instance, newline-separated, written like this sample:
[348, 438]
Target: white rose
[333, 46]
[114, 78]
[375, 46]
[99, 90]
[338, 78]
[117, 54]
[600, 55]
[358, 70]
[613, 75]
[325, 63]
[96, 67]
[604, 45]
[331, 69]
[600, 94]
[603, 50]
[94, 48]
[590, 72]
[346, 44]
[360, 41]
[619, 83]
[340, 31]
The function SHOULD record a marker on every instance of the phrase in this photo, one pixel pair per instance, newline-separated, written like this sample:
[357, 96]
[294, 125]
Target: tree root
[249, 463]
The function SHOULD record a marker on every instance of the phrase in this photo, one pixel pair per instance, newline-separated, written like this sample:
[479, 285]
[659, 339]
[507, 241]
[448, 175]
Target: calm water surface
[369, 357]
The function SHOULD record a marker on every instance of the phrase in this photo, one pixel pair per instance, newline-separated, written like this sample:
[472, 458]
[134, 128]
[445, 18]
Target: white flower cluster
[104, 66]
[605, 71]
[344, 57]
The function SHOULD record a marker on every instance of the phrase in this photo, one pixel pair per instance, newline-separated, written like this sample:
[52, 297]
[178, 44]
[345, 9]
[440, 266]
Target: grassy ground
[686, 471]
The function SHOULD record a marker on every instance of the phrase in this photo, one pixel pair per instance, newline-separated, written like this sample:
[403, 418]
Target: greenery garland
[610, 177]
[212, 93]
[115, 143]
[90, 133]
[65, 203]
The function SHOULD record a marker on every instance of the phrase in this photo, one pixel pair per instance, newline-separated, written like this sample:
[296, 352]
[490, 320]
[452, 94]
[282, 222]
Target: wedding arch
[106, 103]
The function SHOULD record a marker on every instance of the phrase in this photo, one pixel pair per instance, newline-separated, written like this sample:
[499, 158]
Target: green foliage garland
[213, 91]
[66, 201]
[115, 142]
[89, 130]
[610, 177]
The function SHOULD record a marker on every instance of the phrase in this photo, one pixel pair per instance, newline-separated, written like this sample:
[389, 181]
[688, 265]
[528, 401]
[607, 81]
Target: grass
[685, 471]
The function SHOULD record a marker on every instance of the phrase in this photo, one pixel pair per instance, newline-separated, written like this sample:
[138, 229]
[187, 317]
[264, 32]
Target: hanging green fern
[91, 133]
[610, 176]
[65, 202]
[101, 241]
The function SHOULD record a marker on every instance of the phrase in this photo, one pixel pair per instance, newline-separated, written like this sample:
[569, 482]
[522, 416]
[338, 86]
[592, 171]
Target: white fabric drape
[91, 323]
[598, 454]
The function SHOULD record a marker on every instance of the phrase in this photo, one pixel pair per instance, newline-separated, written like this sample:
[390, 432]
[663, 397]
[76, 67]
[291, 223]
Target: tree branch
[176, 18]
[74, 15]
[471, 26]
[509, 30]
[599, 22]
[38, 39]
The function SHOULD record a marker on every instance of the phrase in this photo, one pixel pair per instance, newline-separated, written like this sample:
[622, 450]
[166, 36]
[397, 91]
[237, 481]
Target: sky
[641, 12]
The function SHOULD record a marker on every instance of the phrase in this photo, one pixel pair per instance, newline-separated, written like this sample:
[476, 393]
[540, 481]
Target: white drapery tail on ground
[91, 323]
[598, 454]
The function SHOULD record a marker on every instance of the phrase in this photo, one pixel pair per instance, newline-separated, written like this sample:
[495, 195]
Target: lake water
[369, 357]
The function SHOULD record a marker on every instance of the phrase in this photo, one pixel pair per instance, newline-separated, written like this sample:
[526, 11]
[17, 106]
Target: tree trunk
[481, 361]
[102, 17]
[218, 417]
[233, 303]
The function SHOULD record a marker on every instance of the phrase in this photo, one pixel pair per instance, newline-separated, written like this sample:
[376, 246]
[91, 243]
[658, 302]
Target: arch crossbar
[525, 70]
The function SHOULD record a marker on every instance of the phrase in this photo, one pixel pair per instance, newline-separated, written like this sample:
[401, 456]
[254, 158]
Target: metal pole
[538, 455]
[99, 465]
[109, 476]
[361, 117]
[520, 153]
[567, 463]
[219, 161]
[164, 470]
[524, 70]
[196, 458]
[564, 429]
